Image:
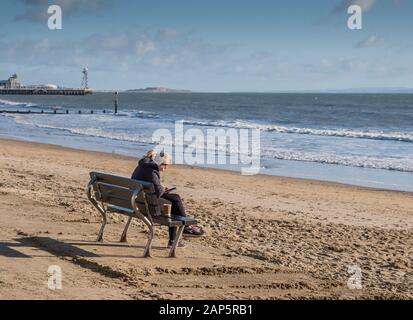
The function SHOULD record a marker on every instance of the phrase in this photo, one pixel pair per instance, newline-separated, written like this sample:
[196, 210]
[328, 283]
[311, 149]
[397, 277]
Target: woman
[149, 170]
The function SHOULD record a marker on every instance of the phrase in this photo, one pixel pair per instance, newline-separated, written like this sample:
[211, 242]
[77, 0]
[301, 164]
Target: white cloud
[36, 10]
[42, 45]
[137, 59]
[167, 34]
[366, 5]
[165, 50]
[370, 42]
[144, 47]
[116, 42]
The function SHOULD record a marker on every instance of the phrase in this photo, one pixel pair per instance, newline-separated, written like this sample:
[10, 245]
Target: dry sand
[268, 237]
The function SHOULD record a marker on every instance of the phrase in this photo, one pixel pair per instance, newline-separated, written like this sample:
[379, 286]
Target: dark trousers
[178, 209]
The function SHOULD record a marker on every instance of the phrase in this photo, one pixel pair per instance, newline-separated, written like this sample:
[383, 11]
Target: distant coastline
[371, 90]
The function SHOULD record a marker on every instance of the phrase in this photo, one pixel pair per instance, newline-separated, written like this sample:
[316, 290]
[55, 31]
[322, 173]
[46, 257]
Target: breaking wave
[387, 163]
[343, 133]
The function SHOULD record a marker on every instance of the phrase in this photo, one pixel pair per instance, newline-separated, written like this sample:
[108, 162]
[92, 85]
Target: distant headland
[159, 90]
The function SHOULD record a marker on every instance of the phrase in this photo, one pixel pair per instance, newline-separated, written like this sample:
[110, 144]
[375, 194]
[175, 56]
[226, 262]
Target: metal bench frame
[148, 220]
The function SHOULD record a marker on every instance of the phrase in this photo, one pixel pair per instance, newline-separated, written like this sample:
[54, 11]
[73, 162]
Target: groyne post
[116, 102]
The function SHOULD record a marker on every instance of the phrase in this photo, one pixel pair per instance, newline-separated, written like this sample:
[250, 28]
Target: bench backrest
[118, 191]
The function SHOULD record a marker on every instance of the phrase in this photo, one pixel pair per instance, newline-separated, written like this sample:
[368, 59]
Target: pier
[44, 91]
[12, 86]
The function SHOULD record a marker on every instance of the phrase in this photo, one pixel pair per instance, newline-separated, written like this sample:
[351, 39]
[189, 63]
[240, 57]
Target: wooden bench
[136, 199]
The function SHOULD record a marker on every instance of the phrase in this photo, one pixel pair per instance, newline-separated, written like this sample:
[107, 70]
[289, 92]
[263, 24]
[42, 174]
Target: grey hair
[151, 154]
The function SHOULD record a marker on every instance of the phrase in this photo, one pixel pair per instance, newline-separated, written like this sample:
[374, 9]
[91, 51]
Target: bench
[135, 199]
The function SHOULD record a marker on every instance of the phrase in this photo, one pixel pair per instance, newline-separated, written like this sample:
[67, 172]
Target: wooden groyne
[45, 91]
[62, 111]
[53, 112]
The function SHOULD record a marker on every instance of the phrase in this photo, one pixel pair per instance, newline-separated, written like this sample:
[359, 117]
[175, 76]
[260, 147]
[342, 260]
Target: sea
[358, 139]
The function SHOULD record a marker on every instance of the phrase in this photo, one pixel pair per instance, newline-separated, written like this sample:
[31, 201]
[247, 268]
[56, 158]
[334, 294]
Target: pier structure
[12, 86]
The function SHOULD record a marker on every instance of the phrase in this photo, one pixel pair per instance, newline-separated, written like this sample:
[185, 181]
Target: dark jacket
[148, 170]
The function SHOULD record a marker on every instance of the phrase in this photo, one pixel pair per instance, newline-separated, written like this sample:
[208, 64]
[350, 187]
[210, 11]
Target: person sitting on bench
[149, 170]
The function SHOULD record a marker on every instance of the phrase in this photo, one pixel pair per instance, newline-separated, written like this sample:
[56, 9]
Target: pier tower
[85, 79]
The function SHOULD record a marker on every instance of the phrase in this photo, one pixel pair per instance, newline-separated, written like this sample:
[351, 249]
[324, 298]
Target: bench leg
[102, 228]
[147, 253]
[124, 238]
[172, 253]
[99, 208]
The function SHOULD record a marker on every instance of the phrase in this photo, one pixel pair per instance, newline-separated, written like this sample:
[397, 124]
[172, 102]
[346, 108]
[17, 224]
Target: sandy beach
[267, 237]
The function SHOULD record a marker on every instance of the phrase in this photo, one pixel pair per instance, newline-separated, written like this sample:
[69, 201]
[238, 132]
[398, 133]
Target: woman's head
[163, 160]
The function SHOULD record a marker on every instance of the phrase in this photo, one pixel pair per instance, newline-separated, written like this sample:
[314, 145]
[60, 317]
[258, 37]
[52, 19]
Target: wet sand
[267, 237]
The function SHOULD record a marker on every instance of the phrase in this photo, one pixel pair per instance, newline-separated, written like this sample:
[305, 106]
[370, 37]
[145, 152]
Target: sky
[211, 46]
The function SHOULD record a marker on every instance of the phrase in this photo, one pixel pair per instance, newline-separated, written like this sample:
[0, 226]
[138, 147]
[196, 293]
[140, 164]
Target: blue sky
[227, 45]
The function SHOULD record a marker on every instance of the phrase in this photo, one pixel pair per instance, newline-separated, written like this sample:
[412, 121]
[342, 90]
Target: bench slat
[116, 201]
[115, 190]
[119, 181]
[186, 221]
[175, 221]
[113, 194]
